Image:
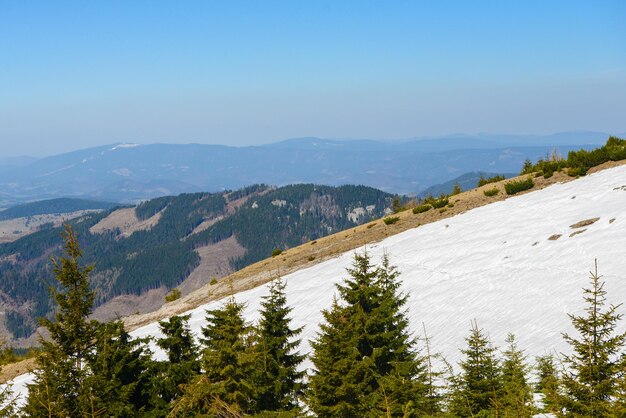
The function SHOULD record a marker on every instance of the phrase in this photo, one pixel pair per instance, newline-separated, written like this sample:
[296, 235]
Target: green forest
[365, 361]
[136, 264]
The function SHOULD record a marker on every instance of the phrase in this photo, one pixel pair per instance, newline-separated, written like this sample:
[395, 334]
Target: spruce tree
[548, 383]
[591, 379]
[182, 363]
[120, 373]
[365, 361]
[619, 403]
[60, 387]
[478, 388]
[225, 387]
[516, 391]
[7, 400]
[277, 380]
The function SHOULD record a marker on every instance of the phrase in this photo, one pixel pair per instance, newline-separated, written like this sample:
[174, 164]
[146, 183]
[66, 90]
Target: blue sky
[75, 74]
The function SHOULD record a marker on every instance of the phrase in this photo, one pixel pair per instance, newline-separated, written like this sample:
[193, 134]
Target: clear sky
[75, 74]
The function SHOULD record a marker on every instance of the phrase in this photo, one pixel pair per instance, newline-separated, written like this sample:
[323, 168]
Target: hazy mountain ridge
[129, 173]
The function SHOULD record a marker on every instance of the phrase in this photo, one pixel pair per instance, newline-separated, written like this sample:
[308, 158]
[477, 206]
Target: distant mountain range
[130, 172]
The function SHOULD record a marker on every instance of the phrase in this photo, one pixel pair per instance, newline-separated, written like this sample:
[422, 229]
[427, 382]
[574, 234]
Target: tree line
[365, 362]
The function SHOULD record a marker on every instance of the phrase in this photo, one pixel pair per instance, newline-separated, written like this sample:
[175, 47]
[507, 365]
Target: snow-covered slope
[494, 264]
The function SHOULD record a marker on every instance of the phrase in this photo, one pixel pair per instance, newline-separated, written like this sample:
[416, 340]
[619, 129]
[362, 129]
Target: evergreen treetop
[591, 379]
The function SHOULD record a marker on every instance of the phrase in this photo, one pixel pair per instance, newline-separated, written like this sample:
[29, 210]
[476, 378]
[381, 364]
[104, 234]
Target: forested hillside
[157, 243]
[53, 206]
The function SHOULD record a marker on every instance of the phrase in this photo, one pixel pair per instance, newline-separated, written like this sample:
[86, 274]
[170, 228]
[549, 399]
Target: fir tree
[60, 387]
[591, 380]
[277, 379]
[548, 383]
[479, 385]
[365, 362]
[516, 391]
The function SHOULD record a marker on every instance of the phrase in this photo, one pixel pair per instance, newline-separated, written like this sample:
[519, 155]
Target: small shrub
[276, 252]
[517, 186]
[442, 210]
[311, 258]
[450, 205]
[487, 180]
[422, 208]
[371, 225]
[213, 280]
[491, 192]
[439, 203]
[313, 242]
[457, 189]
[391, 220]
[173, 295]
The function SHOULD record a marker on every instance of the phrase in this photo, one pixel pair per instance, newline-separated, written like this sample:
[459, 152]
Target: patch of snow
[279, 203]
[355, 214]
[121, 146]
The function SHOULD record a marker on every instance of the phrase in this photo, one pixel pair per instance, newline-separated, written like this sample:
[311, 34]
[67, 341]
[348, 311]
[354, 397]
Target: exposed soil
[586, 222]
[125, 220]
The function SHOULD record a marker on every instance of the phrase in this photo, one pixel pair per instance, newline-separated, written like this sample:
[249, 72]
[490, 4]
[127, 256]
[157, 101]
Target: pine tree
[277, 379]
[548, 383]
[479, 386]
[516, 391]
[60, 387]
[365, 362]
[591, 379]
[225, 387]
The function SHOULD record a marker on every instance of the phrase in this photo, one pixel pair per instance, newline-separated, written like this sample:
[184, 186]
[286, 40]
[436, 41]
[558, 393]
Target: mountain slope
[496, 264]
[53, 206]
[147, 250]
[466, 181]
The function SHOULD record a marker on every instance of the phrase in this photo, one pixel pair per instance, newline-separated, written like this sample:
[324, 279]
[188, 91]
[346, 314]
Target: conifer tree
[225, 387]
[182, 363]
[516, 391]
[277, 380]
[619, 404]
[479, 386]
[60, 387]
[120, 373]
[590, 381]
[548, 383]
[365, 362]
[7, 400]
